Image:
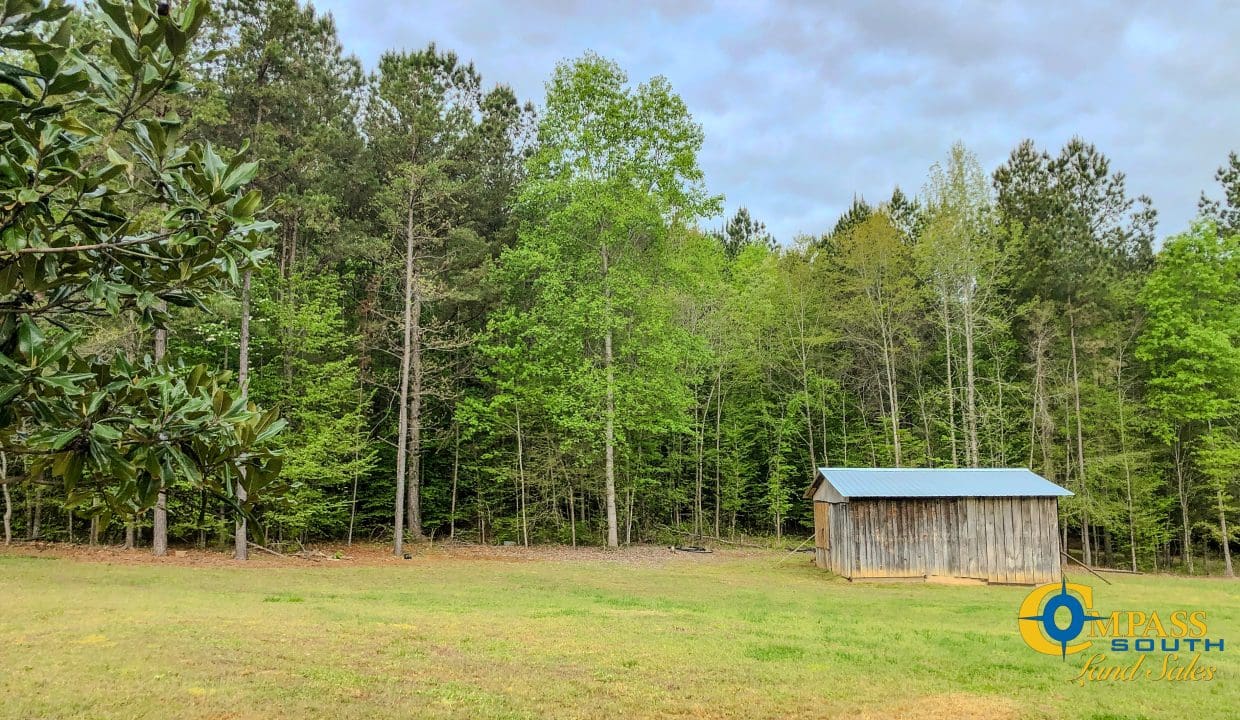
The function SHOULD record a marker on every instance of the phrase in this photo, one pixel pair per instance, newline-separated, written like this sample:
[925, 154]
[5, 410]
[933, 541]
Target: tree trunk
[241, 549]
[572, 518]
[8, 501]
[718, 456]
[525, 526]
[413, 500]
[700, 474]
[202, 519]
[609, 488]
[1222, 524]
[1080, 442]
[803, 357]
[1040, 423]
[159, 530]
[357, 452]
[844, 427]
[32, 532]
[402, 431]
[456, 464]
[1181, 487]
[951, 385]
[924, 411]
[1123, 451]
[893, 399]
[970, 392]
[1001, 420]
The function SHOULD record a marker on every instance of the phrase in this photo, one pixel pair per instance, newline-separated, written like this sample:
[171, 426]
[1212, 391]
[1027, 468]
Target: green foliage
[562, 295]
[1191, 341]
[107, 213]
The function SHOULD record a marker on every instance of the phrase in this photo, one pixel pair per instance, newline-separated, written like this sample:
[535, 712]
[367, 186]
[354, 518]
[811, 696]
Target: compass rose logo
[1043, 631]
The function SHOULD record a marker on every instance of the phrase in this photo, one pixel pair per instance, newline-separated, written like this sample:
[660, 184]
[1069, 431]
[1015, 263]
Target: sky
[806, 104]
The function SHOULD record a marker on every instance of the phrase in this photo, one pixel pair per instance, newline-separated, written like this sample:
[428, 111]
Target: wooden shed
[996, 525]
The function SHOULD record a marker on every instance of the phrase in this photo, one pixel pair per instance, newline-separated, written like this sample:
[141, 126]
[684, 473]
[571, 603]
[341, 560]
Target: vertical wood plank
[1050, 525]
[1004, 524]
[1056, 566]
[945, 537]
[1002, 528]
[917, 551]
[858, 534]
[1026, 539]
[1008, 508]
[867, 540]
[898, 550]
[937, 515]
[1017, 550]
[977, 531]
[1037, 541]
[926, 548]
[953, 539]
[905, 549]
[849, 544]
[970, 534]
[986, 522]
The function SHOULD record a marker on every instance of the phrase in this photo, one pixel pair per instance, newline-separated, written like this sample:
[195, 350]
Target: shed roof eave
[934, 483]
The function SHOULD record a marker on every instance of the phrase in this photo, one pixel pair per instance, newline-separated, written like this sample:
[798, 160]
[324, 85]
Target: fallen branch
[269, 551]
[795, 550]
[1078, 562]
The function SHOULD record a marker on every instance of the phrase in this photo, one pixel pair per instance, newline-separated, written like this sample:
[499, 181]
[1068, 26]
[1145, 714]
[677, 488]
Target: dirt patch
[373, 554]
[951, 705]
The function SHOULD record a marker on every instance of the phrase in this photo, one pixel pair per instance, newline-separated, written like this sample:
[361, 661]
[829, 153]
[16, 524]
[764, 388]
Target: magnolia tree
[104, 213]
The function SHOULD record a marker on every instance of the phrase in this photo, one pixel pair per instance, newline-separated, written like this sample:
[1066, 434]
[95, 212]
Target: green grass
[688, 637]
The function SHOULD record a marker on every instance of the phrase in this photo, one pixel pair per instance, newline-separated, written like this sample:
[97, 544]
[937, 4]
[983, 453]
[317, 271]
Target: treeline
[495, 323]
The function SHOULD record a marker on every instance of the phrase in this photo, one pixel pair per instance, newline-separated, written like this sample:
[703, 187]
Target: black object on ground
[691, 548]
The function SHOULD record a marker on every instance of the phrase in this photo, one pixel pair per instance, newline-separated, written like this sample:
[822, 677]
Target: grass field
[508, 633]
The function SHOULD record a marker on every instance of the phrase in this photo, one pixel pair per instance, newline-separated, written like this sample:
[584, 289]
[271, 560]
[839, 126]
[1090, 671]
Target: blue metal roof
[940, 482]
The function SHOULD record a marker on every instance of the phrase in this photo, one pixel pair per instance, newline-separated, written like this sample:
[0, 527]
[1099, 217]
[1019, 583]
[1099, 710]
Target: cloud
[805, 105]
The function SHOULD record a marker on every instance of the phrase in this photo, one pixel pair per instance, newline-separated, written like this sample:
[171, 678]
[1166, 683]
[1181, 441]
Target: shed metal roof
[938, 482]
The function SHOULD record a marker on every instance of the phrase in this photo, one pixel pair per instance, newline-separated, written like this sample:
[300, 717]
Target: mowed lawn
[574, 634]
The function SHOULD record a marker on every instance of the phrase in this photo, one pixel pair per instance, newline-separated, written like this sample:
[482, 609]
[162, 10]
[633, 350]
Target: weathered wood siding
[821, 540]
[842, 546]
[1001, 540]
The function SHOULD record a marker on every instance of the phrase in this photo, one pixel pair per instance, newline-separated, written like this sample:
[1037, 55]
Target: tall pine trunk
[456, 465]
[8, 501]
[241, 549]
[1181, 487]
[893, 397]
[525, 524]
[718, 456]
[159, 530]
[1080, 443]
[1222, 524]
[402, 431]
[803, 358]
[609, 432]
[413, 486]
[1123, 451]
[970, 395]
[951, 385]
